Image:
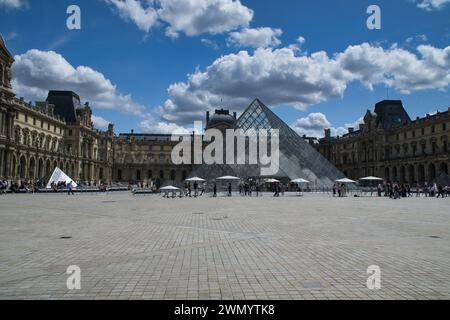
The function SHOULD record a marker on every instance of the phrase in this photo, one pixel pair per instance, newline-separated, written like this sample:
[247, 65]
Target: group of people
[34, 186]
[340, 190]
[401, 190]
[24, 186]
[198, 192]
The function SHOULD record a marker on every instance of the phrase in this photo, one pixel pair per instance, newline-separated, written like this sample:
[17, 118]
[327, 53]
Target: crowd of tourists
[23, 186]
[33, 186]
[402, 190]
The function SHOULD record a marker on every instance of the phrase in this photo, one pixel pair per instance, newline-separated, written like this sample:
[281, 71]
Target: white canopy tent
[195, 179]
[345, 180]
[170, 188]
[59, 176]
[228, 178]
[369, 185]
[300, 180]
[272, 181]
[371, 179]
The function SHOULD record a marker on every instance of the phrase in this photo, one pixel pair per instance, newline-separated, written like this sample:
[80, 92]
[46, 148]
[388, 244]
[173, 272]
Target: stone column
[2, 163]
[2, 127]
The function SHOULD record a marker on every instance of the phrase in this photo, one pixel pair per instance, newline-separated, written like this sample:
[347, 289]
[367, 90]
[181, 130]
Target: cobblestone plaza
[148, 247]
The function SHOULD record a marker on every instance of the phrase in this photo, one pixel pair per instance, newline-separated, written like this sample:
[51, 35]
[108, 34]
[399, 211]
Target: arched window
[431, 172]
[172, 175]
[161, 174]
[138, 175]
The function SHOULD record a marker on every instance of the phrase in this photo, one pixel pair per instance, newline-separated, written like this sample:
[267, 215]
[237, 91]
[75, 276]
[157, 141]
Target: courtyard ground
[147, 247]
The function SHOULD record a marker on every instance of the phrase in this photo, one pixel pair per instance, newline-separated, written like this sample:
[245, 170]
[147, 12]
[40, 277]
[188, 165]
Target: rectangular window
[48, 126]
[34, 121]
[26, 118]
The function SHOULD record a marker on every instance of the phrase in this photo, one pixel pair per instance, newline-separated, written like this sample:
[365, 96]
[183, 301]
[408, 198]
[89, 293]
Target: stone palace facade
[58, 132]
[392, 146]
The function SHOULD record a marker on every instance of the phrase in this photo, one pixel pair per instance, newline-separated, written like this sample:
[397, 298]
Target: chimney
[110, 128]
[235, 115]
[132, 131]
[207, 118]
[351, 130]
[361, 126]
[327, 133]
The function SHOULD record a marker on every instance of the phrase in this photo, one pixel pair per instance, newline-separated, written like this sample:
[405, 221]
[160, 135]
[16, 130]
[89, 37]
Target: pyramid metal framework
[298, 159]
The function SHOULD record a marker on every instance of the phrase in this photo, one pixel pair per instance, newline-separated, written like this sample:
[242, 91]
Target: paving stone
[146, 247]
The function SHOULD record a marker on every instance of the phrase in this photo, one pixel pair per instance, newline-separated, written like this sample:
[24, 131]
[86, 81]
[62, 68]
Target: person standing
[215, 190]
[195, 189]
[229, 189]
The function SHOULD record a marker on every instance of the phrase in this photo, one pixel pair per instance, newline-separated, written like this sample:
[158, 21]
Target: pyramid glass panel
[298, 159]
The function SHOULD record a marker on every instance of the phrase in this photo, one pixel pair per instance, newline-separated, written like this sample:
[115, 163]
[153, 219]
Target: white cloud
[13, 4]
[209, 43]
[191, 17]
[194, 17]
[275, 76]
[100, 123]
[143, 14]
[286, 77]
[398, 68]
[256, 37]
[355, 125]
[35, 72]
[314, 125]
[432, 4]
[151, 125]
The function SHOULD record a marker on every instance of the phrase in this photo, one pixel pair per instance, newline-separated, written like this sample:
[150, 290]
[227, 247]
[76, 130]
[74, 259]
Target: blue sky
[129, 53]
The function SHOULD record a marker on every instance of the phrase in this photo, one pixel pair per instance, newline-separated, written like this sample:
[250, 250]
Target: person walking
[70, 189]
[440, 191]
[229, 190]
[215, 190]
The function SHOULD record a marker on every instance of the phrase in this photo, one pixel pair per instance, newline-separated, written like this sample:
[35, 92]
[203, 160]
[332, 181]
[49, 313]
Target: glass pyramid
[298, 159]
